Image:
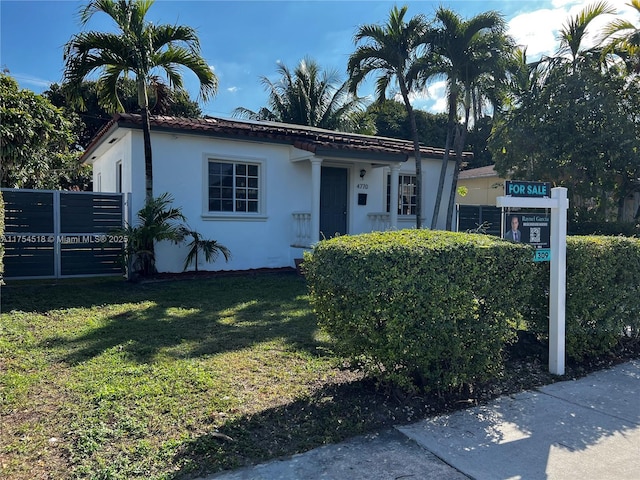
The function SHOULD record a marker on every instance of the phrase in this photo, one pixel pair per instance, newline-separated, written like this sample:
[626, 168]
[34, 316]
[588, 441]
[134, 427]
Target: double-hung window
[406, 194]
[234, 187]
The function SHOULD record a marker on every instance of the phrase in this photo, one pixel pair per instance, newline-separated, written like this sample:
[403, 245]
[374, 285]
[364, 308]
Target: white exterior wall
[260, 240]
[104, 166]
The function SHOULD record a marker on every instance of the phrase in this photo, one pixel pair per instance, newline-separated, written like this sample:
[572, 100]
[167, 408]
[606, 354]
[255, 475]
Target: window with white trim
[406, 194]
[234, 187]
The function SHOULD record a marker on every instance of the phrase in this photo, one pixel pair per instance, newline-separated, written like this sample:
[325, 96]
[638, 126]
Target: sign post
[558, 203]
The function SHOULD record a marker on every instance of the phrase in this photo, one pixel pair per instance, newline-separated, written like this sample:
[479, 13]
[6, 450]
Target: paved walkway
[587, 429]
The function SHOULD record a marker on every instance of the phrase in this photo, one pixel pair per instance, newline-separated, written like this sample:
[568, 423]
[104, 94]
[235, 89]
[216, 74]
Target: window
[119, 177]
[406, 194]
[234, 187]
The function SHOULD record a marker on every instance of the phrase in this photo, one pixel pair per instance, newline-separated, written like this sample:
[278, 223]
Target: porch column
[393, 201]
[316, 172]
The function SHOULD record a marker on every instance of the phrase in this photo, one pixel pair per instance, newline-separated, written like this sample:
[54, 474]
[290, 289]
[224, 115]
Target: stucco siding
[262, 239]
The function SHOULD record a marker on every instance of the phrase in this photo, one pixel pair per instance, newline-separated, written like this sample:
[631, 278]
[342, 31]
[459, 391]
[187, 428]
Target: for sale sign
[528, 227]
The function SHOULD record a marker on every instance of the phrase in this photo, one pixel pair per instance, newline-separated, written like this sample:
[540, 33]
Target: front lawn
[102, 379]
[105, 379]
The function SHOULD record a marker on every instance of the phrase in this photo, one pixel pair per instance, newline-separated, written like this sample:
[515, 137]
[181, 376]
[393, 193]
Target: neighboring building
[477, 208]
[483, 186]
[268, 191]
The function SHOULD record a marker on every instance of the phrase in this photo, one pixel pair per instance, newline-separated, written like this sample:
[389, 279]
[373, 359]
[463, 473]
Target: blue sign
[515, 188]
[542, 255]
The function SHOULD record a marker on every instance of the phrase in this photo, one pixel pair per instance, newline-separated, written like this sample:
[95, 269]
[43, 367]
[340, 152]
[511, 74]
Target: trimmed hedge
[422, 308]
[1, 234]
[603, 295]
[627, 229]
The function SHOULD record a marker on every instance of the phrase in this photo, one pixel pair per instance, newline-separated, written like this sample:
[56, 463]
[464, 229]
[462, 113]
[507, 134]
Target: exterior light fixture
[362, 173]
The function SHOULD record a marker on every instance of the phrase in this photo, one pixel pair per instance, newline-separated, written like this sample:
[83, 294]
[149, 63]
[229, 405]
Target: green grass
[103, 379]
[106, 379]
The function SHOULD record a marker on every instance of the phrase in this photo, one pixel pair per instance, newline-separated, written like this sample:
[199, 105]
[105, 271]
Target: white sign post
[558, 203]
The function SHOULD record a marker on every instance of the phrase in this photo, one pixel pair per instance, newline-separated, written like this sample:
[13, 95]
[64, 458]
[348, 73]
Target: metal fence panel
[52, 234]
[470, 217]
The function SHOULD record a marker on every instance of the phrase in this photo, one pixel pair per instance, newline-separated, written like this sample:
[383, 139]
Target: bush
[603, 295]
[1, 234]
[421, 308]
[627, 229]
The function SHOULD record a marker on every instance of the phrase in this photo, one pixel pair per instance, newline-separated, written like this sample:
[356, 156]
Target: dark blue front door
[333, 202]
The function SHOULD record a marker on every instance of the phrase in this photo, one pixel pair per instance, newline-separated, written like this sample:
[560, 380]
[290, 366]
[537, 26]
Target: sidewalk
[588, 429]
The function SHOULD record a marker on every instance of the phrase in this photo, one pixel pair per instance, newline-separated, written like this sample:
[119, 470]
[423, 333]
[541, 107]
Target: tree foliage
[622, 39]
[581, 131]
[309, 96]
[391, 120]
[392, 51]
[94, 115]
[139, 49]
[37, 142]
[470, 55]
[576, 125]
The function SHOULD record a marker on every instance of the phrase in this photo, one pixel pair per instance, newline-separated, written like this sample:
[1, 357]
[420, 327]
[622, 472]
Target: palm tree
[211, 249]
[156, 222]
[140, 49]
[465, 52]
[308, 96]
[573, 34]
[623, 40]
[393, 50]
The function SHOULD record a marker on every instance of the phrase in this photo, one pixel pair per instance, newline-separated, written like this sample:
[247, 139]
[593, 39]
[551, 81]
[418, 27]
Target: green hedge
[603, 295]
[1, 234]
[418, 307]
[627, 229]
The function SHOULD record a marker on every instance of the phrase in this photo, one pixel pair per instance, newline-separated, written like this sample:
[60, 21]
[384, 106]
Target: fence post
[57, 250]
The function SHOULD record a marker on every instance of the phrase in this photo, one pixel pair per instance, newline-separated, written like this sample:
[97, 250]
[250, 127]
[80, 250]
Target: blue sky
[244, 40]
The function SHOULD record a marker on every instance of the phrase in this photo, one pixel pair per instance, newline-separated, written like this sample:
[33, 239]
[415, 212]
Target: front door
[333, 202]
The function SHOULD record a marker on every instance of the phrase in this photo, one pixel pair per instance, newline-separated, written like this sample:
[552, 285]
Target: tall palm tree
[308, 96]
[572, 35]
[394, 51]
[464, 52]
[623, 40]
[139, 49]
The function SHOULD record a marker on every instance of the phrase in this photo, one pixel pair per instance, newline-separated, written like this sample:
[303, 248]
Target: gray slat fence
[471, 217]
[55, 234]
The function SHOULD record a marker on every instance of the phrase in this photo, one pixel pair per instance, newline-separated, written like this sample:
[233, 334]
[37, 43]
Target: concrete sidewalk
[588, 429]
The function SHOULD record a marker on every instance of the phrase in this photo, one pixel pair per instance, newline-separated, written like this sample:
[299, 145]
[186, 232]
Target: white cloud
[538, 30]
[232, 89]
[25, 79]
[527, 31]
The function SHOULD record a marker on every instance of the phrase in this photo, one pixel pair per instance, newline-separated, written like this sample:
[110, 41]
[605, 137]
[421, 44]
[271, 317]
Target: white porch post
[316, 172]
[393, 202]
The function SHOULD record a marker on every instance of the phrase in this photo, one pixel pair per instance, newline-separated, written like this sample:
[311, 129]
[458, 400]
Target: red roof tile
[311, 139]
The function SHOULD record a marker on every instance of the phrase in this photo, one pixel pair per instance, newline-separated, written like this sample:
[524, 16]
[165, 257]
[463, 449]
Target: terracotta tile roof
[315, 140]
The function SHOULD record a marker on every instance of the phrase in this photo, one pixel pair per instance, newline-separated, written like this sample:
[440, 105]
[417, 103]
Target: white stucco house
[265, 190]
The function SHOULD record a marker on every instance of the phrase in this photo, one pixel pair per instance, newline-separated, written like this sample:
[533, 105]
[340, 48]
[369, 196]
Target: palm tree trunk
[416, 154]
[458, 145]
[148, 163]
[445, 158]
[143, 103]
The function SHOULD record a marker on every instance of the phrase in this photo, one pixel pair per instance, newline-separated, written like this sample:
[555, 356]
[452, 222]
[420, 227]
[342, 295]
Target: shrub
[603, 295]
[627, 229]
[156, 222]
[421, 308]
[1, 234]
[211, 249]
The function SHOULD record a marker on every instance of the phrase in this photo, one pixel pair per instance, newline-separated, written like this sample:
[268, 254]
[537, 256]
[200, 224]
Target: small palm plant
[211, 249]
[156, 222]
